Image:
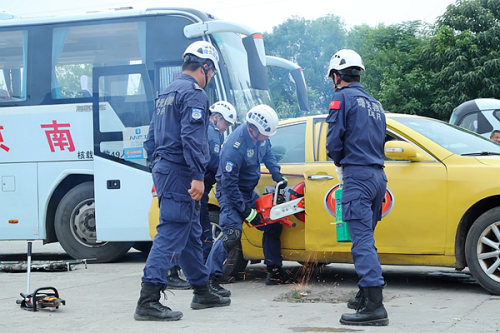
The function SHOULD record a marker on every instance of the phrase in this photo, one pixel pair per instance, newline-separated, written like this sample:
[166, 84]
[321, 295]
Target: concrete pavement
[102, 298]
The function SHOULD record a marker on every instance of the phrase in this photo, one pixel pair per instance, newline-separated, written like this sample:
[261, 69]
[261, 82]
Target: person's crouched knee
[231, 238]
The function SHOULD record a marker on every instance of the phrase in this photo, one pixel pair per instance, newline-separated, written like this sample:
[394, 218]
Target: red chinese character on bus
[59, 137]
[4, 147]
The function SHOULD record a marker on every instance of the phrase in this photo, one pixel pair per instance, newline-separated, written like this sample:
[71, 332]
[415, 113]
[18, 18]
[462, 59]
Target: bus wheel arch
[74, 225]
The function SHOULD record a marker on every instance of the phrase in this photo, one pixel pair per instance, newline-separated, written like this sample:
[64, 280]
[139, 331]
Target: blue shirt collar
[188, 77]
[355, 85]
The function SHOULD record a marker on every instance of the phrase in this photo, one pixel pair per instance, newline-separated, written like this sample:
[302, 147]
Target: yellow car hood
[489, 160]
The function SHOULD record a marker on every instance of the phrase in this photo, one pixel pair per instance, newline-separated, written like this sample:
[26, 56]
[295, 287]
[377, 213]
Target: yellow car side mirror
[400, 150]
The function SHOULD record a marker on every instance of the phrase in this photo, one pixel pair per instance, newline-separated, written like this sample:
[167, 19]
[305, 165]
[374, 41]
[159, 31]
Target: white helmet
[344, 59]
[203, 50]
[264, 118]
[226, 109]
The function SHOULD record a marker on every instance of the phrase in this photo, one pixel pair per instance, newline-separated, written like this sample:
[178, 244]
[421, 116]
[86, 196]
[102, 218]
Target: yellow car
[442, 205]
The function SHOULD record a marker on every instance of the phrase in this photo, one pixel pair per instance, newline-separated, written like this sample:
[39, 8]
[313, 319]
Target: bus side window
[168, 73]
[77, 49]
[12, 64]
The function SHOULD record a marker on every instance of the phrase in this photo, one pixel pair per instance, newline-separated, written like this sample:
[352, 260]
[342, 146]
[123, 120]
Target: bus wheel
[76, 230]
[482, 250]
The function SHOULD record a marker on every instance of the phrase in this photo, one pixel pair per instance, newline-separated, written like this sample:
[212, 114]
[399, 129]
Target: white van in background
[480, 115]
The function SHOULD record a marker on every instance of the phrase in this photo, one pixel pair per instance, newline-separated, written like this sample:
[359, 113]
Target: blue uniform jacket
[239, 166]
[356, 128]
[215, 144]
[178, 129]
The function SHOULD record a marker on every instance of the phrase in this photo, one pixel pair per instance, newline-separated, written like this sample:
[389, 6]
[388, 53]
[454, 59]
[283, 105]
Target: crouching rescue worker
[223, 115]
[178, 142]
[239, 172]
[355, 142]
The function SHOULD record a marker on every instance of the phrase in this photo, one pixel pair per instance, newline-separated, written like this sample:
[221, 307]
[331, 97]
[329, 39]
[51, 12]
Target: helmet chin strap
[254, 137]
[336, 84]
[216, 120]
[206, 74]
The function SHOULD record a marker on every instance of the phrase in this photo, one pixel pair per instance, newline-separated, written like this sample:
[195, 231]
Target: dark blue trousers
[178, 235]
[206, 236]
[362, 197]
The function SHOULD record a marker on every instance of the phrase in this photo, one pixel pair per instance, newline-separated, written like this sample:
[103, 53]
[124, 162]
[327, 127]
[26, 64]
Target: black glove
[278, 177]
[249, 214]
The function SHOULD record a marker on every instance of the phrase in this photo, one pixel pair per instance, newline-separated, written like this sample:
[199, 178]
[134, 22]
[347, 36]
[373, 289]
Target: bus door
[122, 109]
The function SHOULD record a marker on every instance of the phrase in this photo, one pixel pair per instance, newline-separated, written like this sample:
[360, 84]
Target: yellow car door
[320, 180]
[417, 221]
[415, 199]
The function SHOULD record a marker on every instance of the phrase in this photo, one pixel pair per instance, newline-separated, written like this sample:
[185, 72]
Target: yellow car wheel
[482, 250]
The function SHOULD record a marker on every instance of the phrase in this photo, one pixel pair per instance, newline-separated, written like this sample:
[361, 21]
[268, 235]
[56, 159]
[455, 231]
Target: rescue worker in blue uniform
[178, 145]
[223, 115]
[239, 172]
[355, 142]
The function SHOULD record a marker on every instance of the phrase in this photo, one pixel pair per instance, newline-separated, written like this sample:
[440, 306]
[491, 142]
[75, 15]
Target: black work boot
[205, 298]
[355, 303]
[274, 275]
[215, 287]
[174, 281]
[150, 308]
[371, 313]
[358, 300]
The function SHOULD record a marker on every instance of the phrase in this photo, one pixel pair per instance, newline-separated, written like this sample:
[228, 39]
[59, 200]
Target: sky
[262, 15]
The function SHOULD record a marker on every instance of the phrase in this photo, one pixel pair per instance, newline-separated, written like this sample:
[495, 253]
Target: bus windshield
[242, 95]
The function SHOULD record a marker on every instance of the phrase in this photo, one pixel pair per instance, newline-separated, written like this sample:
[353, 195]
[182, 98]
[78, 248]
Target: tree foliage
[68, 77]
[394, 73]
[411, 67]
[464, 54]
[309, 43]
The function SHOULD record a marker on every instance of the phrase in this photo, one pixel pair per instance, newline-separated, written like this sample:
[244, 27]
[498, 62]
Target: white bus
[76, 98]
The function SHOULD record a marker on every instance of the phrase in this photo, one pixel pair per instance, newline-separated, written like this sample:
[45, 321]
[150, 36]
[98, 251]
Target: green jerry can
[342, 227]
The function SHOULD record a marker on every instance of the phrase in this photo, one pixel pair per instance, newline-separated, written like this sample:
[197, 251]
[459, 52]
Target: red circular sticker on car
[387, 204]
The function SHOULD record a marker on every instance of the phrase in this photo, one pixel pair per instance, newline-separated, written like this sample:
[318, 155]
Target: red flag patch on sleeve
[334, 105]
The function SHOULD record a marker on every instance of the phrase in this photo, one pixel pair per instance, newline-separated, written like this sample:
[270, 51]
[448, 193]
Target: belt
[378, 166]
